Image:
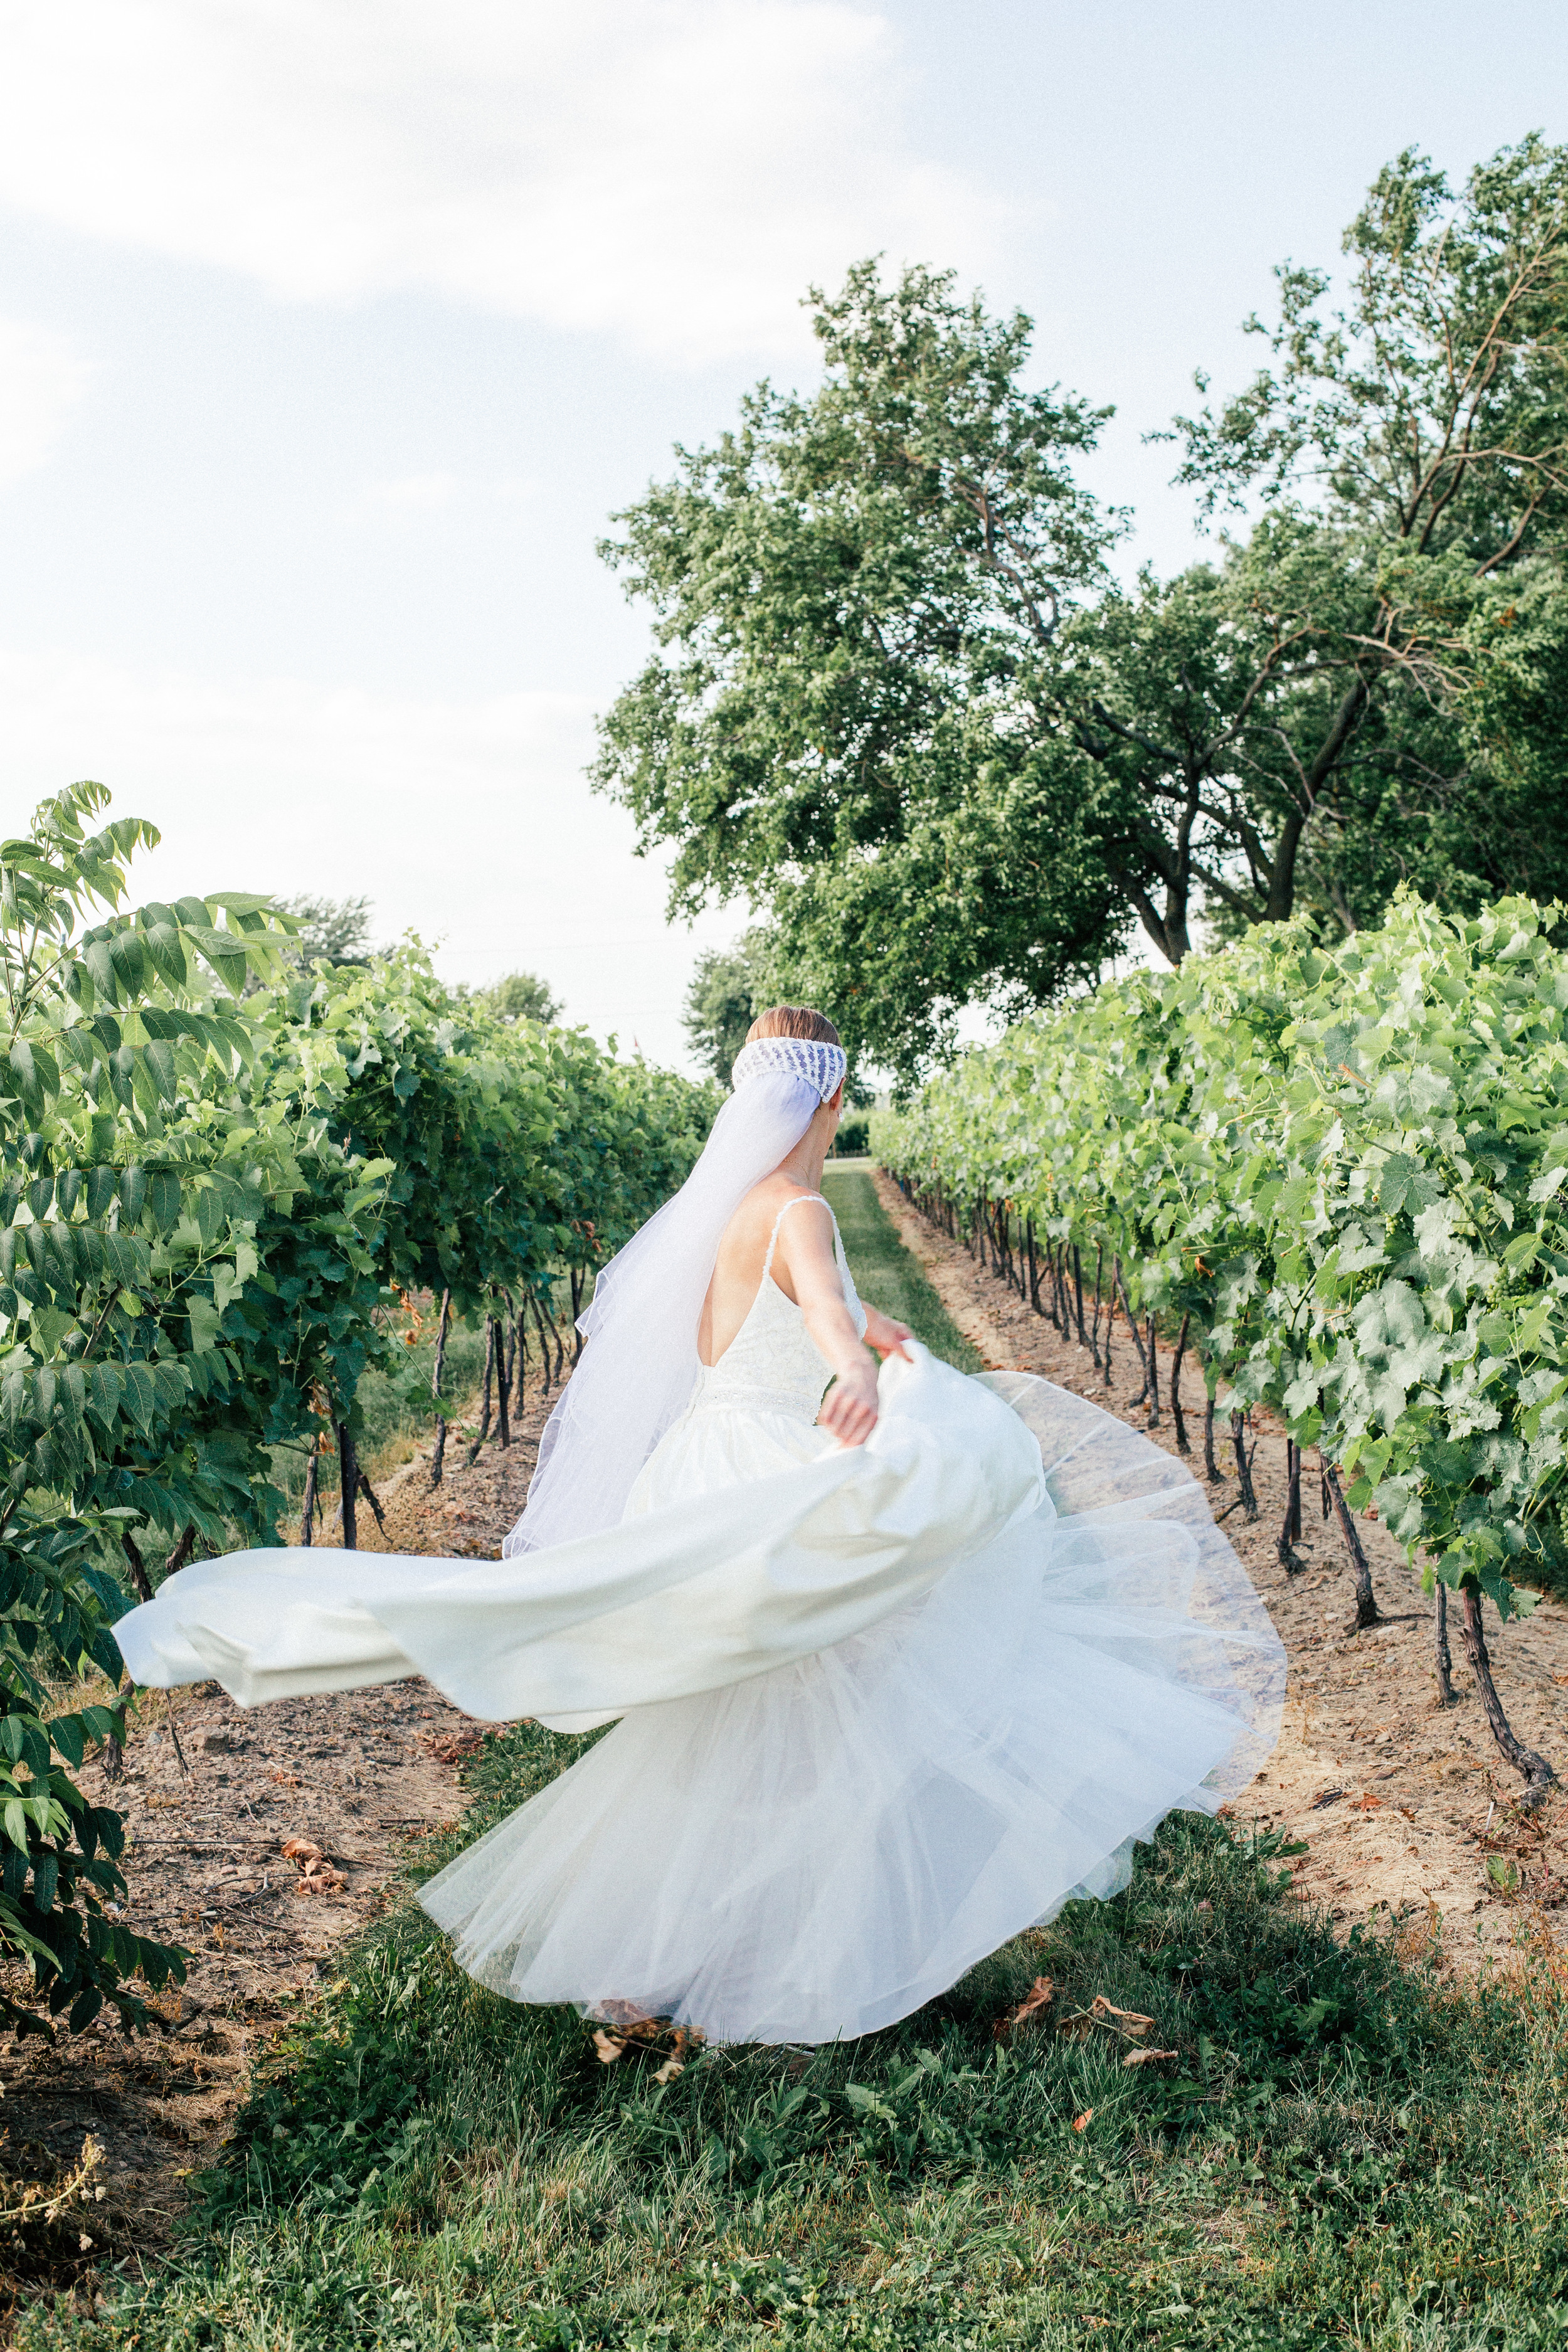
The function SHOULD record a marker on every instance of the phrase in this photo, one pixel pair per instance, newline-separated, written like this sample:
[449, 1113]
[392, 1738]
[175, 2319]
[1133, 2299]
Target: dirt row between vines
[1400, 1801]
[362, 1775]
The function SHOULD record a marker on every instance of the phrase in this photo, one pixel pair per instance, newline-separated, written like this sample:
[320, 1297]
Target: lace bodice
[772, 1364]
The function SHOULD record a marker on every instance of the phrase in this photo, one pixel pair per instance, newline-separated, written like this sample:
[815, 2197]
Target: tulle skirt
[814, 1849]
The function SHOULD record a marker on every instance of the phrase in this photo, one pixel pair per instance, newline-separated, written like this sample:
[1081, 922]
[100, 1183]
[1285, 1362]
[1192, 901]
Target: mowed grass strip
[886, 1273]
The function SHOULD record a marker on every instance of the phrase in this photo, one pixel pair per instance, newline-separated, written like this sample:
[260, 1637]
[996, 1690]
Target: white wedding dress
[879, 1708]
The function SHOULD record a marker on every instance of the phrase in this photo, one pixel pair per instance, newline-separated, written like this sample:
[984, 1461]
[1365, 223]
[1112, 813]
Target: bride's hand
[886, 1336]
[849, 1412]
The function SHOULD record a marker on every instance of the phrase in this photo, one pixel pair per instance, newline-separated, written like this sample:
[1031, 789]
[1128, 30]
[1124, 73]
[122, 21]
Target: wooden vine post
[503, 1382]
[439, 1457]
[473, 1452]
[1537, 1773]
[1183, 1445]
[1445, 1656]
[348, 1472]
[1366, 1609]
[310, 1507]
[1290, 1527]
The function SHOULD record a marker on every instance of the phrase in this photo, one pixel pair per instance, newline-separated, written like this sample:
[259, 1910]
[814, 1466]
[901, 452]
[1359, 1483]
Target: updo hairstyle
[794, 1020]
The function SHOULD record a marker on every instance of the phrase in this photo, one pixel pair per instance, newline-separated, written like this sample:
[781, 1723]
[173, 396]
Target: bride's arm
[806, 1243]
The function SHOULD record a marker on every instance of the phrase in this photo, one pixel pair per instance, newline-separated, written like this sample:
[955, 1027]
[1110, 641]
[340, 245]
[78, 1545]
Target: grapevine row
[222, 1181]
[1340, 1178]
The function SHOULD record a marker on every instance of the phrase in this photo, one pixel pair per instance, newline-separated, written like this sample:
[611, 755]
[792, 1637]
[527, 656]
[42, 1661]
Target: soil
[1405, 1807]
[211, 1793]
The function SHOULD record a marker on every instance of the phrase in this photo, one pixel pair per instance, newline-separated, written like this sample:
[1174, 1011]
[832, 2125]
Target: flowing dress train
[876, 1710]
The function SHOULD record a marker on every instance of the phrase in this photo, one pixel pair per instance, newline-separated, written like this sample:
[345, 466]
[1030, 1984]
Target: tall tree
[848, 591]
[896, 701]
[334, 930]
[1409, 447]
[726, 993]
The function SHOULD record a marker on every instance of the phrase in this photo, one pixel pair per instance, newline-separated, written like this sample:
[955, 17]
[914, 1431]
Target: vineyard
[1338, 1179]
[234, 1189]
[255, 1201]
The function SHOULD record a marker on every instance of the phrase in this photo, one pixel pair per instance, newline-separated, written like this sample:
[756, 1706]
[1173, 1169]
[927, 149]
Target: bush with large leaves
[218, 1172]
[119, 1250]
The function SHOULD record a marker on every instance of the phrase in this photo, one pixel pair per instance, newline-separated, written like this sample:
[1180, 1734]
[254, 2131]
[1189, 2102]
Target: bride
[892, 1676]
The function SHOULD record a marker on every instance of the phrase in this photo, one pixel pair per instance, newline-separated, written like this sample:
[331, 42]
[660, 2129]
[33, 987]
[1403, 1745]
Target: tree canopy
[724, 998]
[899, 702]
[519, 996]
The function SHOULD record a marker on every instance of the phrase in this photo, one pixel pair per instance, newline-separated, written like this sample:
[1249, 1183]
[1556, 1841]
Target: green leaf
[163, 1198]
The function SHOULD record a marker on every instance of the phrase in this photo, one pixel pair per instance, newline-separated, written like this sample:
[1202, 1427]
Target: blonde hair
[794, 1020]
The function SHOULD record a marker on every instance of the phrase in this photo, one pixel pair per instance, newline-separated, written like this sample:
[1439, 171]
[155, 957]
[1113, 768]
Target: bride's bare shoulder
[755, 1217]
[774, 1194]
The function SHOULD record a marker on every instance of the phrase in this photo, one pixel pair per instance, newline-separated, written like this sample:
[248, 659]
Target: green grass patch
[1339, 2153]
[886, 1273]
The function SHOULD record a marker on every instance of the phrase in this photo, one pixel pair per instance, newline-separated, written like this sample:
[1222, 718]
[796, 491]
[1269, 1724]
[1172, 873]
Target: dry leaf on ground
[1130, 2021]
[321, 1879]
[1040, 1995]
[455, 1751]
[1082, 2123]
[1147, 2057]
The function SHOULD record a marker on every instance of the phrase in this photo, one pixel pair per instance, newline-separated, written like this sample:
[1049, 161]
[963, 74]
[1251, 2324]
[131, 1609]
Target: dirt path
[360, 1775]
[1400, 1802]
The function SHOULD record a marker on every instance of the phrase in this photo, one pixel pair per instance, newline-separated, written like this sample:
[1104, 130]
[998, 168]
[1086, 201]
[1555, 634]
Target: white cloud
[470, 823]
[41, 378]
[673, 172]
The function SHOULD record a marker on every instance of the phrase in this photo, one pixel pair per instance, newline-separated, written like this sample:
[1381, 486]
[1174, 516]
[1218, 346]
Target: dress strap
[773, 1236]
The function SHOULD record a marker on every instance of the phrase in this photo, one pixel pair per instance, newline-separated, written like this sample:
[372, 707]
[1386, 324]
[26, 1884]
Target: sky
[332, 332]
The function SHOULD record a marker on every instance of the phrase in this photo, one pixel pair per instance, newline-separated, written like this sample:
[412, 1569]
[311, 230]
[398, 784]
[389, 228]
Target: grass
[1341, 2152]
[886, 1275]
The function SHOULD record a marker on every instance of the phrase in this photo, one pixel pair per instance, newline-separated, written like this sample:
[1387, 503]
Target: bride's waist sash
[793, 1401]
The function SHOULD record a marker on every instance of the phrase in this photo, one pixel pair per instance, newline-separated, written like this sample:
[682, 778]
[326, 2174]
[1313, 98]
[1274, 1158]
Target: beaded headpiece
[812, 1058]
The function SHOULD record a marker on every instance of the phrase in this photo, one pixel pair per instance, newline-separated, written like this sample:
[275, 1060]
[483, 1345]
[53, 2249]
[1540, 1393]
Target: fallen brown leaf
[455, 1750]
[302, 1850]
[1040, 1995]
[1368, 1804]
[1082, 2123]
[607, 2047]
[1130, 2021]
[668, 2071]
[320, 1879]
[1146, 2057]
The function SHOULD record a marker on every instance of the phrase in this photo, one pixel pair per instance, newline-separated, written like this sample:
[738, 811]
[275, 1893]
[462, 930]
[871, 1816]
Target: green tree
[728, 990]
[853, 595]
[1409, 445]
[519, 996]
[333, 930]
[896, 701]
